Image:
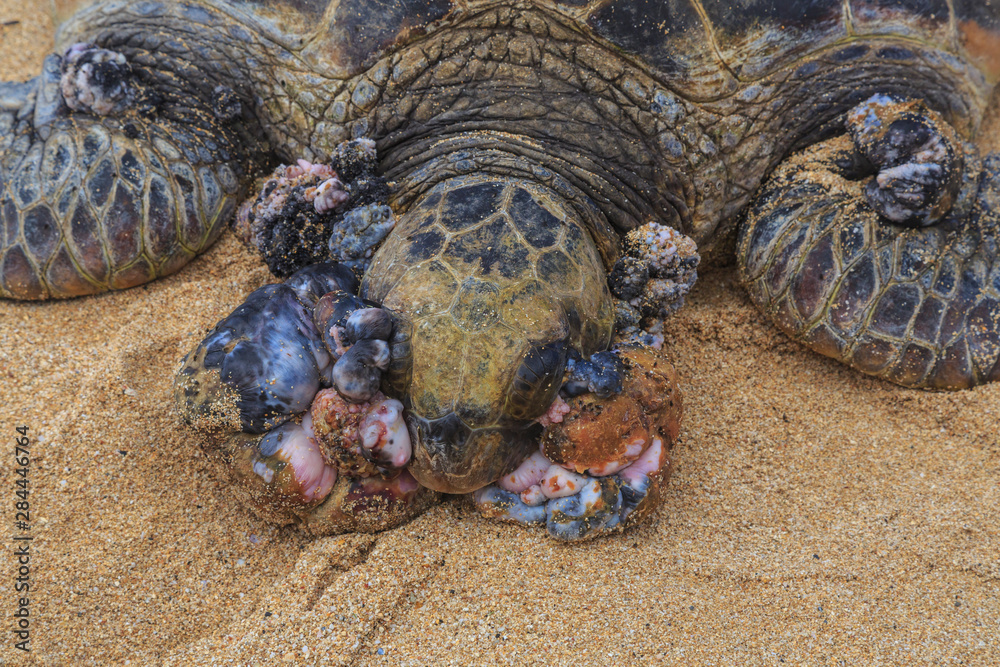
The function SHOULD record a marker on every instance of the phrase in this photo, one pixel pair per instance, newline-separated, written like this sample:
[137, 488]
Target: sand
[816, 516]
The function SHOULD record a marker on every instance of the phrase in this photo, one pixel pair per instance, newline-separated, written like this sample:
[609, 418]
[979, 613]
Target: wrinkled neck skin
[182, 55]
[498, 84]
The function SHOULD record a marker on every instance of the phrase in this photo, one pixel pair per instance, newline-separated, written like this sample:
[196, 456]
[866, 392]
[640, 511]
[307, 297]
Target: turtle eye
[536, 381]
[396, 378]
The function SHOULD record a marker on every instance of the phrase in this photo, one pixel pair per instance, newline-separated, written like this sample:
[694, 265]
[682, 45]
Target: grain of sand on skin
[814, 513]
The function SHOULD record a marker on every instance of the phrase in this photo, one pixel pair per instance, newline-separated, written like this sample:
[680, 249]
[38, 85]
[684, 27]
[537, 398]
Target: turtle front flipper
[114, 170]
[879, 248]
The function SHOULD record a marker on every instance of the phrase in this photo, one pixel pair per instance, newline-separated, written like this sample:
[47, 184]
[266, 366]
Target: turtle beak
[450, 457]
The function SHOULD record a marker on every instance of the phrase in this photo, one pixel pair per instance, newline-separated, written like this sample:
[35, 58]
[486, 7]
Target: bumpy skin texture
[918, 306]
[90, 203]
[607, 114]
[675, 125]
[307, 213]
[602, 461]
[263, 363]
[251, 390]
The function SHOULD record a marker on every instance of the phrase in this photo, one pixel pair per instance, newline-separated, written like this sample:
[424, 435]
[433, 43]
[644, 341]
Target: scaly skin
[621, 113]
[918, 306]
[94, 203]
[537, 88]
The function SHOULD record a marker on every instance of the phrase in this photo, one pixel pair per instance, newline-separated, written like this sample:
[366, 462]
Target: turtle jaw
[450, 457]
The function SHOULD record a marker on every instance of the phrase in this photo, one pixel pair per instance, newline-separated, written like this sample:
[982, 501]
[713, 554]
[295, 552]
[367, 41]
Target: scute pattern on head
[481, 277]
[493, 272]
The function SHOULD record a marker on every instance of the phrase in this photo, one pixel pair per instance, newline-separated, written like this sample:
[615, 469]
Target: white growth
[384, 433]
[80, 85]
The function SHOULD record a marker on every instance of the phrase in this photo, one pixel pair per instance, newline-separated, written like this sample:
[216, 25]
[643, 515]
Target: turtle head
[492, 282]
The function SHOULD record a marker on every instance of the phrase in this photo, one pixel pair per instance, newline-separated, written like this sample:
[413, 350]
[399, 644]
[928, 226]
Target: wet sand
[815, 515]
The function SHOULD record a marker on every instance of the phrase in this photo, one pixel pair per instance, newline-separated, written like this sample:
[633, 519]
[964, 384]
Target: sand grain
[816, 515]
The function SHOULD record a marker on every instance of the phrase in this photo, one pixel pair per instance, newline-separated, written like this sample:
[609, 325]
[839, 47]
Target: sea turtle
[522, 139]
